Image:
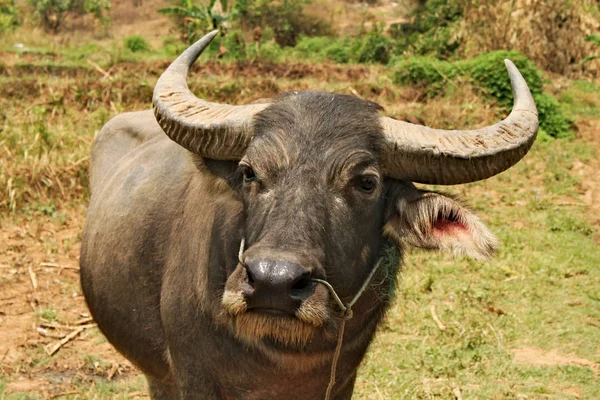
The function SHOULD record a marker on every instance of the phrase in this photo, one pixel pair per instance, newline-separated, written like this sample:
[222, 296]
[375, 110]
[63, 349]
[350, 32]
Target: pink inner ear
[446, 226]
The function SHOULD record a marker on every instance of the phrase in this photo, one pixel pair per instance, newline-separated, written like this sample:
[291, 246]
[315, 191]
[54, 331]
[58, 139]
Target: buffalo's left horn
[217, 131]
[448, 157]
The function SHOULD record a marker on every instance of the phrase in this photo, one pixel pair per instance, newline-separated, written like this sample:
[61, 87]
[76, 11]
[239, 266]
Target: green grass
[540, 291]
[544, 280]
[580, 100]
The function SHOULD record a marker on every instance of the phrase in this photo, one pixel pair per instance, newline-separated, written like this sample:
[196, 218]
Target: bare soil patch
[41, 303]
[543, 358]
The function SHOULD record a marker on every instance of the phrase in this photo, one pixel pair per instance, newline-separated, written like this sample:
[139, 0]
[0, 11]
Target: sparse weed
[136, 43]
[48, 314]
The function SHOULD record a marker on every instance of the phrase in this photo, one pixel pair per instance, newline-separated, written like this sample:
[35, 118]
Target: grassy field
[524, 325]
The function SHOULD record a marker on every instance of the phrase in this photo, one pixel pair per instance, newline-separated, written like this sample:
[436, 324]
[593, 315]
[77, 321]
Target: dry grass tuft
[550, 32]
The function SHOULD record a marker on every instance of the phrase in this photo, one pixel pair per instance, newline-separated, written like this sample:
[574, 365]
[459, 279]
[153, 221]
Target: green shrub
[238, 49]
[553, 122]
[265, 50]
[595, 38]
[312, 47]
[433, 30]
[374, 47]
[173, 46]
[193, 19]
[427, 73]
[136, 43]
[488, 73]
[286, 17]
[9, 18]
[339, 52]
[234, 44]
[52, 13]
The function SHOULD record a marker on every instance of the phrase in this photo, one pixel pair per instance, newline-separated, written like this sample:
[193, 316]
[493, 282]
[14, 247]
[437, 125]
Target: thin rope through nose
[347, 313]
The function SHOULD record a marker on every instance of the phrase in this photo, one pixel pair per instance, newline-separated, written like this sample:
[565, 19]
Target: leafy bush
[553, 122]
[265, 50]
[52, 13]
[193, 18]
[286, 17]
[374, 47]
[596, 40]
[433, 31]
[339, 52]
[233, 46]
[136, 43]
[9, 18]
[311, 46]
[427, 73]
[487, 72]
[173, 46]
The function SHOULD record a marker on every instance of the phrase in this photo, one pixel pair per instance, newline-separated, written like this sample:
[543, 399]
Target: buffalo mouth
[273, 312]
[273, 321]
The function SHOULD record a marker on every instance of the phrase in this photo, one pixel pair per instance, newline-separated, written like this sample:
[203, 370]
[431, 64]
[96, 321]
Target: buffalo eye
[247, 173]
[367, 183]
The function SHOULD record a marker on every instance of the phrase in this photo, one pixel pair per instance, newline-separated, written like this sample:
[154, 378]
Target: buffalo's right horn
[446, 157]
[217, 131]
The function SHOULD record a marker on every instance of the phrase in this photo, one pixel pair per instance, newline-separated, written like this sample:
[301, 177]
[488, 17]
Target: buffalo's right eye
[367, 184]
[248, 173]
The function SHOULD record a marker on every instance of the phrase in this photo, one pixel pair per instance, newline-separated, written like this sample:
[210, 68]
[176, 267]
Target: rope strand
[347, 314]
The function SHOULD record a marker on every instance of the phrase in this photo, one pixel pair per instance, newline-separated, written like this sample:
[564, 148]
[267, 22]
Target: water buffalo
[212, 230]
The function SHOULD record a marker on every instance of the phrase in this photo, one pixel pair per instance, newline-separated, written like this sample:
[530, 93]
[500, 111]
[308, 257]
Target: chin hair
[293, 331]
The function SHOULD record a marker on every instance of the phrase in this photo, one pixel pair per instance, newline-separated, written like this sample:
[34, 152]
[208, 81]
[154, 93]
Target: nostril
[301, 284]
[303, 288]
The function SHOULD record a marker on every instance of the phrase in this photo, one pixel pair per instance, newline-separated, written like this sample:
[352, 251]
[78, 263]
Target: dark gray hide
[159, 259]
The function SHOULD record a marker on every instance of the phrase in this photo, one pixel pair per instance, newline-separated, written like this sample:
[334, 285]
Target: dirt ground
[42, 310]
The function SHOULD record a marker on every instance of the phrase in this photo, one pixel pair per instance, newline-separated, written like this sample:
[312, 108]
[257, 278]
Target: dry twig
[33, 278]
[83, 321]
[54, 265]
[495, 310]
[100, 69]
[45, 333]
[113, 371]
[437, 320]
[137, 394]
[50, 350]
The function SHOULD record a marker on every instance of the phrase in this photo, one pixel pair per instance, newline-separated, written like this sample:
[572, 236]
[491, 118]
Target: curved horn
[448, 157]
[217, 131]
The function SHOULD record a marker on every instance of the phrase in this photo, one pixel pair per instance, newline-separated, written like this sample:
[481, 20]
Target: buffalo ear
[434, 221]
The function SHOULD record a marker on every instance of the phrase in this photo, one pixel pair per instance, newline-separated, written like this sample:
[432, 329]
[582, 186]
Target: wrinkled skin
[159, 260]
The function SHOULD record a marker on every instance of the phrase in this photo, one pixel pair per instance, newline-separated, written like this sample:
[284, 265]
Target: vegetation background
[525, 325]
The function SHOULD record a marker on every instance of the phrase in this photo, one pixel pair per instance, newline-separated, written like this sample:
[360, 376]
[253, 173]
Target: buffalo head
[324, 181]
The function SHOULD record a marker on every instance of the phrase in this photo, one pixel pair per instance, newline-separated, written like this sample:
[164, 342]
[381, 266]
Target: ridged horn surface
[448, 157]
[212, 130]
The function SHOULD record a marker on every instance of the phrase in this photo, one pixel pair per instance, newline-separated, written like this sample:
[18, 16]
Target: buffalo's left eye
[367, 183]
[247, 173]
